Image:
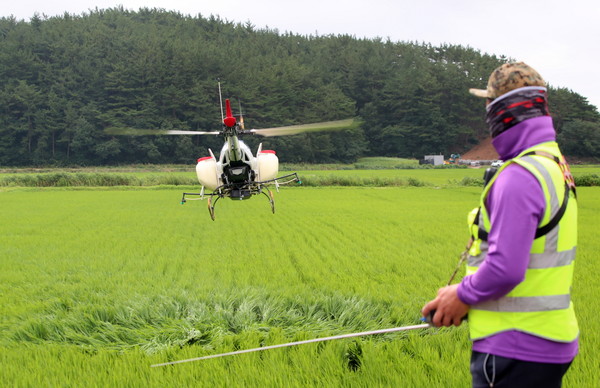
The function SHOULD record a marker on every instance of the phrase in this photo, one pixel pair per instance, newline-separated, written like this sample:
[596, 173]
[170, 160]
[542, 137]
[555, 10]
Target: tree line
[64, 79]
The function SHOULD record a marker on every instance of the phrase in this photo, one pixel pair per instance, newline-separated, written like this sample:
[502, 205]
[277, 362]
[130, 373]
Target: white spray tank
[207, 171]
[268, 164]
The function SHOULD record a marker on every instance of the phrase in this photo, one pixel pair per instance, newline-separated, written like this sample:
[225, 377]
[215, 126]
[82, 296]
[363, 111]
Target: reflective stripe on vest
[536, 260]
[527, 303]
[541, 304]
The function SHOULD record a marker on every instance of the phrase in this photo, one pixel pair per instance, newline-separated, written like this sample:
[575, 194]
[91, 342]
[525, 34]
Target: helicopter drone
[237, 173]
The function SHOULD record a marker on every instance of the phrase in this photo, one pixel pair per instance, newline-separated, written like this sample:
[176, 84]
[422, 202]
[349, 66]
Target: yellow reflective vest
[540, 305]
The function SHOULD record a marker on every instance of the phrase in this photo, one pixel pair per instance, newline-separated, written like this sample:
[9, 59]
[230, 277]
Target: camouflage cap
[508, 77]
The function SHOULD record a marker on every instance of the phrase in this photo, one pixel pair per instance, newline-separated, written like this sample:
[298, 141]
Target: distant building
[436, 160]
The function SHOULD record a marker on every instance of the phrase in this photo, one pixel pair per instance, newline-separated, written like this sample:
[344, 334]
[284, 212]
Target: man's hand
[449, 309]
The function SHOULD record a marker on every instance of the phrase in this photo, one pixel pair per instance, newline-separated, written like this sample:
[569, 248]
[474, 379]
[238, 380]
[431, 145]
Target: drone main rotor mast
[220, 99]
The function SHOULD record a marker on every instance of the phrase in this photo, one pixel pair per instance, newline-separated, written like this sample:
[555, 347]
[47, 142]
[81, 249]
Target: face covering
[514, 107]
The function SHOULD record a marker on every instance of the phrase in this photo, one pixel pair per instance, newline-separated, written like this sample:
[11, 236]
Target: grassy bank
[376, 176]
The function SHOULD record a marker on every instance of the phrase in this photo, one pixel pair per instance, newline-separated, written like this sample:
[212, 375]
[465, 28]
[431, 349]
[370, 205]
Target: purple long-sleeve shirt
[516, 205]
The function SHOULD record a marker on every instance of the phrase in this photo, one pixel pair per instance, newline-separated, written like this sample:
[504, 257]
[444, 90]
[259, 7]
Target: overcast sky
[559, 38]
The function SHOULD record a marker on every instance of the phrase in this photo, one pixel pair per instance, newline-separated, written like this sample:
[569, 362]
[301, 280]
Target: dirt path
[482, 151]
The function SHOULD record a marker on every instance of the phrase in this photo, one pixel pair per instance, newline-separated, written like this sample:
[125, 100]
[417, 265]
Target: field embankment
[372, 172]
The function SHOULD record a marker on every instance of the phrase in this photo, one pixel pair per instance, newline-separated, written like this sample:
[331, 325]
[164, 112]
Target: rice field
[97, 284]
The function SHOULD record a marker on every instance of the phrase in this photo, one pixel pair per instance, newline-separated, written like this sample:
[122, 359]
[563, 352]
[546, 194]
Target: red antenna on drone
[229, 120]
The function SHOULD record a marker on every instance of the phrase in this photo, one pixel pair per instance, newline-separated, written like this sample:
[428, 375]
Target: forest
[64, 79]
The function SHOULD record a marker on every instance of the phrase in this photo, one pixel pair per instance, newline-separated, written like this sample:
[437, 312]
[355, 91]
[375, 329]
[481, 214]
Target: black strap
[546, 154]
[481, 233]
[541, 231]
[561, 165]
[556, 219]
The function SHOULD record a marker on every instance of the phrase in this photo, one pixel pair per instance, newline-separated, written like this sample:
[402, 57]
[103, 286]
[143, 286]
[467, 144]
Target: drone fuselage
[237, 170]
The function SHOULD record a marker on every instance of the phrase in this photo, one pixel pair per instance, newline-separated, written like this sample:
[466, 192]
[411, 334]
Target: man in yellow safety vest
[517, 290]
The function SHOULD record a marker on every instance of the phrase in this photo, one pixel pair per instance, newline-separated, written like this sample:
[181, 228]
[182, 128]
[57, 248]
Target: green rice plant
[381, 163]
[95, 179]
[587, 180]
[468, 181]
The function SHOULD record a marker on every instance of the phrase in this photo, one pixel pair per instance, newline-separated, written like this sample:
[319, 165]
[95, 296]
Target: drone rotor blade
[132, 131]
[314, 127]
[178, 132]
[145, 132]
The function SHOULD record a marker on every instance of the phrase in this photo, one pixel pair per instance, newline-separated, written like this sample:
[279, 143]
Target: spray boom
[335, 337]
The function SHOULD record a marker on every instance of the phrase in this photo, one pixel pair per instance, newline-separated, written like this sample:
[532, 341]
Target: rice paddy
[97, 284]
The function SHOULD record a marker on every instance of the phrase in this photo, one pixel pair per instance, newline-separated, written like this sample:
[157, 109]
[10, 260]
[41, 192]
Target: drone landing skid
[211, 204]
[211, 207]
[242, 192]
[271, 200]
